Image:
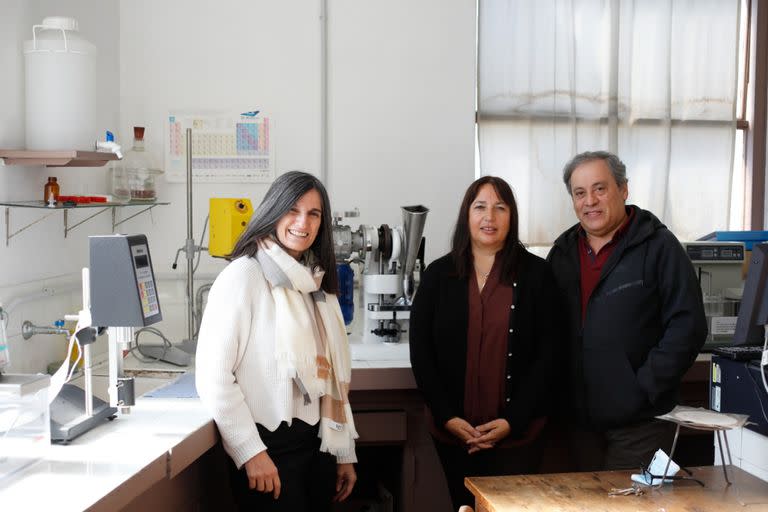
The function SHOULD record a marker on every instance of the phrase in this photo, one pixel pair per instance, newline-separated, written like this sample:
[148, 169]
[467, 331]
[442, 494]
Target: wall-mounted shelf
[103, 207]
[58, 158]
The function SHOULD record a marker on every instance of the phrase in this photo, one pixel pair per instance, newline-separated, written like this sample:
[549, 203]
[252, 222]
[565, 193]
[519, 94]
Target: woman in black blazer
[484, 329]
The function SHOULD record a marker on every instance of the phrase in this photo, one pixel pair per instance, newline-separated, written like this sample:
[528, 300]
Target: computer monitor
[753, 312]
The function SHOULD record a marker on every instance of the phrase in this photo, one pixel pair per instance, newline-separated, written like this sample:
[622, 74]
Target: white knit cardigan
[236, 370]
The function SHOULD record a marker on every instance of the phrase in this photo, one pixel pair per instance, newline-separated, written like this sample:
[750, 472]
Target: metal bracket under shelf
[67, 228]
[116, 223]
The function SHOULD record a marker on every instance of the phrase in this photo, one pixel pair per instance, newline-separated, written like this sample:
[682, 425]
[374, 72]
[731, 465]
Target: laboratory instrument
[389, 257]
[739, 379]
[718, 267]
[124, 296]
[119, 294]
[228, 219]
[737, 387]
[75, 411]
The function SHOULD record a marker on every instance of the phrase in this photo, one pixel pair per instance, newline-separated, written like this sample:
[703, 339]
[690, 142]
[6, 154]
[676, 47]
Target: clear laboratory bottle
[119, 186]
[5, 355]
[139, 169]
[51, 192]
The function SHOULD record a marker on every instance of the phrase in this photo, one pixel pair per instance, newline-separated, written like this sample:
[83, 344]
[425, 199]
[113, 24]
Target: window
[655, 82]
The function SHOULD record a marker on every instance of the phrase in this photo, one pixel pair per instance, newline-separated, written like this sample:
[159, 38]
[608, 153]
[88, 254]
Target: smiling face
[488, 219]
[297, 229]
[597, 199]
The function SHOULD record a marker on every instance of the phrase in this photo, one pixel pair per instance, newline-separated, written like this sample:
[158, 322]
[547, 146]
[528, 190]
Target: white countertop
[380, 355]
[155, 441]
[133, 451]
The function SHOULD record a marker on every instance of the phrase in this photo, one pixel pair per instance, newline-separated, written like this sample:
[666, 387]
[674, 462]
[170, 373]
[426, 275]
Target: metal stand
[718, 433]
[75, 411]
[69, 418]
[182, 356]
[190, 250]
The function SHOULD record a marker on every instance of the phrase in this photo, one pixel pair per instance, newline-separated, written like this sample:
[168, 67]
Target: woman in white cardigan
[273, 364]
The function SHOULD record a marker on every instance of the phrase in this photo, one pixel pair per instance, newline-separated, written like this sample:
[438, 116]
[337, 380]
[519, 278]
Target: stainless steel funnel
[414, 218]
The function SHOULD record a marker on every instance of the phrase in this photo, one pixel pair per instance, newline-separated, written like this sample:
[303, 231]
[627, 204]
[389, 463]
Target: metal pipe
[86, 278]
[28, 330]
[324, 93]
[88, 380]
[190, 245]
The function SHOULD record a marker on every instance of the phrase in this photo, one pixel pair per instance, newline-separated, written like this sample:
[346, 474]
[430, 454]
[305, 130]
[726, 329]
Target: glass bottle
[5, 355]
[121, 190]
[139, 168]
[51, 192]
[119, 186]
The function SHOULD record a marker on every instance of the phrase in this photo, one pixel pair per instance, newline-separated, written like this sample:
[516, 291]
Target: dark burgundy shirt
[592, 263]
[487, 338]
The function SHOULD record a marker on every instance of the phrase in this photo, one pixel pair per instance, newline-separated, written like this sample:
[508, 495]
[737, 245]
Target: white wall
[401, 107]
[401, 97]
[200, 55]
[401, 82]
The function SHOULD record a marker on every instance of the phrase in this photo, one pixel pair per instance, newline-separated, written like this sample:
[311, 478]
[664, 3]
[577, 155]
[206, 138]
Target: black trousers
[307, 476]
[458, 464]
[629, 447]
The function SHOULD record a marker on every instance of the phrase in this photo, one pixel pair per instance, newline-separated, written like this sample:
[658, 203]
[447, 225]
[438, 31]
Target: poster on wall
[226, 147]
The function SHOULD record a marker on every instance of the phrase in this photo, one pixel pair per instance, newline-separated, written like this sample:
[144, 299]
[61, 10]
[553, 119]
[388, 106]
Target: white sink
[380, 351]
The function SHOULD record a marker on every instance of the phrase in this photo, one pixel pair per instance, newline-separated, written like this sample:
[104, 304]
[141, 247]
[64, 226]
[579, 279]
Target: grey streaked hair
[617, 167]
[282, 195]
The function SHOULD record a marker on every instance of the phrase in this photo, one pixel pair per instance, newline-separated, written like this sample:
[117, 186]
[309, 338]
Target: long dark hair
[461, 243]
[285, 191]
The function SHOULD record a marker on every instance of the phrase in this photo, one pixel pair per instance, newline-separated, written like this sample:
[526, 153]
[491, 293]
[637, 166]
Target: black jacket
[438, 341]
[643, 328]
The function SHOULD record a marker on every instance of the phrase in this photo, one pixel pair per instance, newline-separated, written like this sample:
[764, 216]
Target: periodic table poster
[226, 148]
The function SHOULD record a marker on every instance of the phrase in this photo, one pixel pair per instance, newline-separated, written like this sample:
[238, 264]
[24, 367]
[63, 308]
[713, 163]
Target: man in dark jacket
[635, 315]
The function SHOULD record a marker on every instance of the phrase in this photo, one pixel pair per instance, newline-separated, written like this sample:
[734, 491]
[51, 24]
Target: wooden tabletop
[571, 492]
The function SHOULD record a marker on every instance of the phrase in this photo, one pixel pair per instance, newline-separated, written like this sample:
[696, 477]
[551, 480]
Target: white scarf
[311, 343]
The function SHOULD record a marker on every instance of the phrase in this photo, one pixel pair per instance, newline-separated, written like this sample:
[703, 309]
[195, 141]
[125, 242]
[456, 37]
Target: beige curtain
[653, 81]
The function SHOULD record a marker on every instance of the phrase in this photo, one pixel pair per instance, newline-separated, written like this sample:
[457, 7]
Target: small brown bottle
[51, 192]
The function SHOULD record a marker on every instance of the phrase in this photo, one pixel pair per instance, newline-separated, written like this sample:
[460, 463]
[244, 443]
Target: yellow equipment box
[228, 219]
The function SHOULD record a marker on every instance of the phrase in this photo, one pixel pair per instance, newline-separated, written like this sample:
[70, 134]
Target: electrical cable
[764, 361]
[79, 358]
[145, 358]
[757, 389]
[199, 249]
[761, 369]
[200, 245]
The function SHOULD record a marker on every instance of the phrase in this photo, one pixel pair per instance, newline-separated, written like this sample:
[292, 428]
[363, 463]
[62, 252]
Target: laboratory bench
[576, 492]
[166, 455]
